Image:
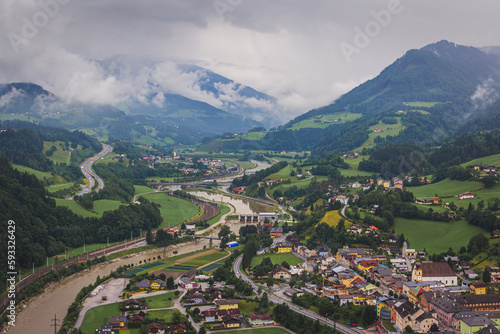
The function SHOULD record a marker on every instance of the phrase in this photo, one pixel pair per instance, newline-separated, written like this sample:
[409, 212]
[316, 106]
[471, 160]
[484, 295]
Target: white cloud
[285, 48]
[14, 93]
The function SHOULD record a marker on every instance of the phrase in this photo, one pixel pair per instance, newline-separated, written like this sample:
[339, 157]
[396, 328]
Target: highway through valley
[86, 168]
[338, 326]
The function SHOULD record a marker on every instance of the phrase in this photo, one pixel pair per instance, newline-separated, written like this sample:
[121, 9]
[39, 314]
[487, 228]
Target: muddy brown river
[36, 317]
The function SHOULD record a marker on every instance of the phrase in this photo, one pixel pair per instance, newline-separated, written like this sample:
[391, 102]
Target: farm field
[142, 190]
[253, 135]
[106, 205]
[387, 130]
[436, 237]
[73, 206]
[59, 155]
[176, 263]
[55, 187]
[325, 121]
[489, 160]
[483, 194]
[277, 259]
[173, 210]
[40, 175]
[200, 261]
[300, 184]
[332, 218]
[97, 316]
[445, 188]
[422, 104]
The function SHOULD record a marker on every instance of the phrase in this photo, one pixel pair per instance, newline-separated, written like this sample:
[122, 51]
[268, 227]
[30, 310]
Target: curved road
[87, 171]
[338, 326]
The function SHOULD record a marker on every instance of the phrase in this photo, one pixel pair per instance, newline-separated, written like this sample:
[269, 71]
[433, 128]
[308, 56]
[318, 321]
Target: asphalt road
[338, 326]
[89, 174]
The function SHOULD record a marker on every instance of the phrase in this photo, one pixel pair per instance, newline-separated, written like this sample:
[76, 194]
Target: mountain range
[168, 103]
[425, 97]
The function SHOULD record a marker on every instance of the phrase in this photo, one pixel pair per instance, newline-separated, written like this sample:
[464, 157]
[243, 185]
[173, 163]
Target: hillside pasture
[324, 121]
[436, 237]
[173, 210]
[489, 160]
[444, 189]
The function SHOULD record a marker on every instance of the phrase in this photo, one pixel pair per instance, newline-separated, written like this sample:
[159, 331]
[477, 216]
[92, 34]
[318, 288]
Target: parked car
[354, 325]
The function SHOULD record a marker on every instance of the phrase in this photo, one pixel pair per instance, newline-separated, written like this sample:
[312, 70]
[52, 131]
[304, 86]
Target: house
[322, 250]
[478, 288]
[260, 320]
[281, 272]
[143, 285]
[364, 266]
[276, 232]
[434, 271]
[495, 233]
[408, 314]
[210, 315]
[179, 328]
[156, 328]
[232, 321]
[466, 195]
[470, 325]
[136, 318]
[158, 284]
[471, 274]
[131, 303]
[444, 309]
[227, 304]
[283, 247]
[356, 229]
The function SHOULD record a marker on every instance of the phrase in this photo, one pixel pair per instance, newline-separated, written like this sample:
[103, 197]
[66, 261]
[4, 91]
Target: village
[408, 292]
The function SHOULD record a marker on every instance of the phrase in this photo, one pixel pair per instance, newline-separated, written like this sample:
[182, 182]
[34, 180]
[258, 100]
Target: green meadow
[436, 237]
[173, 210]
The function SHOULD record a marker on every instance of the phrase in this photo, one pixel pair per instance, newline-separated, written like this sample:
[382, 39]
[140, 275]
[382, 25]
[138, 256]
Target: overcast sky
[306, 53]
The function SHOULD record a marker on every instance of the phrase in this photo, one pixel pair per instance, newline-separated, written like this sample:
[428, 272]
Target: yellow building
[228, 304]
[157, 285]
[283, 247]
[478, 288]
[349, 281]
[364, 266]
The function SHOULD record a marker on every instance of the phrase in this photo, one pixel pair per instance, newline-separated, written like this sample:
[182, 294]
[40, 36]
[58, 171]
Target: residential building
[364, 266]
[466, 195]
[445, 307]
[283, 247]
[260, 320]
[224, 304]
[232, 321]
[478, 288]
[486, 302]
[408, 314]
[155, 328]
[281, 272]
[471, 325]
[276, 232]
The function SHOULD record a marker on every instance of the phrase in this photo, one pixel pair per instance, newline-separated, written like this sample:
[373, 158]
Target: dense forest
[44, 229]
